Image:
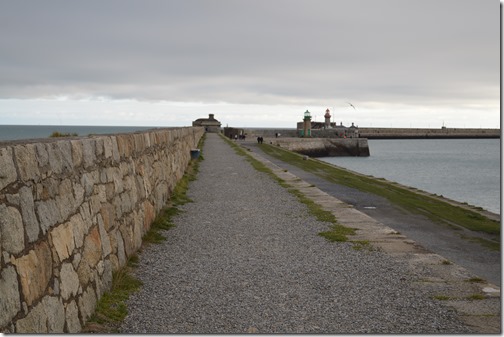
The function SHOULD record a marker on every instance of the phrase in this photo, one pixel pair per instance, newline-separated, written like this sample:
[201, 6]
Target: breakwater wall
[266, 133]
[412, 133]
[324, 147]
[71, 212]
[387, 133]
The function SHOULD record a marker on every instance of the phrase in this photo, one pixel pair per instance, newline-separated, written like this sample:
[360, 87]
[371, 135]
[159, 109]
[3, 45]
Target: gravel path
[245, 257]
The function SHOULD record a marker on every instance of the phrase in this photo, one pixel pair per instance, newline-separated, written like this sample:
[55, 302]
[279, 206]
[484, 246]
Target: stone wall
[335, 133]
[257, 132]
[324, 147]
[71, 212]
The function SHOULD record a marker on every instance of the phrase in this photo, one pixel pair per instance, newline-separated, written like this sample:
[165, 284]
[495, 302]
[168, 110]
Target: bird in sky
[351, 105]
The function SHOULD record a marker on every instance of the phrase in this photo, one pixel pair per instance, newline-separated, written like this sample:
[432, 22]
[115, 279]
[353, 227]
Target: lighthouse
[327, 116]
[307, 124]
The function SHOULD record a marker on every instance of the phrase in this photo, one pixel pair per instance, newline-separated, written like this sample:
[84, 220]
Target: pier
[394, 133]
[247, 256]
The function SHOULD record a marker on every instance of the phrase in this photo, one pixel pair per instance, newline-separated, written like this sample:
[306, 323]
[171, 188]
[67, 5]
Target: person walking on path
[245, 256]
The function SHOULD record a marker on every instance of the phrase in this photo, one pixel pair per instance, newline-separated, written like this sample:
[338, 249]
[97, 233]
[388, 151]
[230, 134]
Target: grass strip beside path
[433, 208]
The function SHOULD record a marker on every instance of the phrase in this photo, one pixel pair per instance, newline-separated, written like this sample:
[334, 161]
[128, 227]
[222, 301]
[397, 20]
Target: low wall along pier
[386, 133]
[71, 212]
[324, 147]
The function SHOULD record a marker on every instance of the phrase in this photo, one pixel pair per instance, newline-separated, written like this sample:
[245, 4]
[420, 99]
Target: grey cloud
[248, 51]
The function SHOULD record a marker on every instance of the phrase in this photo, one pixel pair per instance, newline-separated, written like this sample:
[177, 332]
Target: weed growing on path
[476, 280]
[476, 297]
[111, 308]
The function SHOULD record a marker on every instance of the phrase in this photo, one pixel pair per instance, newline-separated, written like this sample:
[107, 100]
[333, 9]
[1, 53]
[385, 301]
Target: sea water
[465, 170]
[18, 132]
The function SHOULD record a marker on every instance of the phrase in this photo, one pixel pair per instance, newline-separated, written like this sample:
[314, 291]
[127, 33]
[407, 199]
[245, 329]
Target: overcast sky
[401, 63]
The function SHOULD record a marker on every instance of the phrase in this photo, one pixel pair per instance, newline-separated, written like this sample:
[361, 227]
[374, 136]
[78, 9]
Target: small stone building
[210, 124]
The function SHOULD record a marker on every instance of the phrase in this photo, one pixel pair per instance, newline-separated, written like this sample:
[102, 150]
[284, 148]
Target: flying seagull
[351, 105]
